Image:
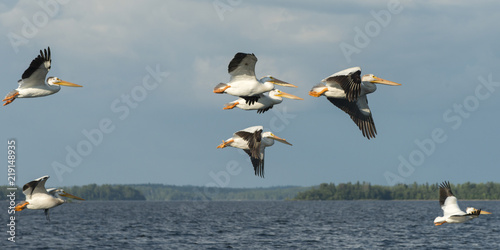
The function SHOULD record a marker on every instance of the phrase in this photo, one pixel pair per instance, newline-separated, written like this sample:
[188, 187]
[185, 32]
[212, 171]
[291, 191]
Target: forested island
[325, 191]
[366, 191]
[106, 192]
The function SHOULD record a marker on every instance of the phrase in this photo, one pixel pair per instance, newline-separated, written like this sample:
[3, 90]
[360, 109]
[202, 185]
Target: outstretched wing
[359, 112]
[242, 66]
[444, 192]
[448, 201]
[35, 187]
[37, 71]
[258, 164]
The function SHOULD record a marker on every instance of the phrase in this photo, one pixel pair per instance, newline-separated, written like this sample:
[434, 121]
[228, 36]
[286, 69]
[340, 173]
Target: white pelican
[452, 213]
[33, 83]
[264, 103]
[37, 197]
[243, 82]
[347, 90]
[253, 141]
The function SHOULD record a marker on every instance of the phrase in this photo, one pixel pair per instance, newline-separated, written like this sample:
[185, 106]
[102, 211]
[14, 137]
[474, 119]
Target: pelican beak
[280, 140]
[222, 145]
[289, 96]
[225, 143]
[71, 196]
[21, 206]
[281, 83]
[484, 212]
[69, 84]
[386, 82]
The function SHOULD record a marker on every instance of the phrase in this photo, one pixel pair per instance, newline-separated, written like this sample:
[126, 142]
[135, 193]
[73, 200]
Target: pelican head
[56, 81]
[318, 90]
[62, 193]
[272, 136]
[373, 79]
[277, 92]
[275, 81]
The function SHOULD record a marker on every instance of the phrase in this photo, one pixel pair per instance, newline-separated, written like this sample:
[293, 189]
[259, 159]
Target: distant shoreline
[325, 191]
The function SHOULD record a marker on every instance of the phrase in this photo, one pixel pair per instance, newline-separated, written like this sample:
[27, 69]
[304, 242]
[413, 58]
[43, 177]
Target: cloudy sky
[147, 114]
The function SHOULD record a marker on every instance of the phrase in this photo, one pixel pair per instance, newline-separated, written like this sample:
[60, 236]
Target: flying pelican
[33, 83]
[243, 82]
[264, 103]
[347, 90]
[253, 141]
[37, 197]
[452, 213]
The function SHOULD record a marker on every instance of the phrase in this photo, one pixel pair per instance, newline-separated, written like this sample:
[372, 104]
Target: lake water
[252, 225]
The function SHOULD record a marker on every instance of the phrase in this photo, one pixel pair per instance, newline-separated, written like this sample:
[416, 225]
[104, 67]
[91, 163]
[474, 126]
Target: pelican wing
[448, 201]
[349, 80]
[262, 110]
[35, 187]
[252, 129]
[253, 139]
[37, 71]
[257, 163]
[242, 66]
[444, 192]
[471, 215]
[359, 112]
[251, 100]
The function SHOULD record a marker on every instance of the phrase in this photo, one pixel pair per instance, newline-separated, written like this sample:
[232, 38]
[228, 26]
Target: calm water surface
[253, 225]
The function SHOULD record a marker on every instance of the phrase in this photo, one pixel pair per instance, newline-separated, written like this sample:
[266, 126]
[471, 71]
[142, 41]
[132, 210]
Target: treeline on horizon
[325, 191]
[160, 192]
[90, 192]
[366, 191]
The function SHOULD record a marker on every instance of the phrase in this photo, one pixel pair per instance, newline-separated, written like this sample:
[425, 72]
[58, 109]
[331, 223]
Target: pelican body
[453, 213]
[37, 197]
[253, 141]
[264, 102]
[347, 90]
[243, 82]
[32, 83]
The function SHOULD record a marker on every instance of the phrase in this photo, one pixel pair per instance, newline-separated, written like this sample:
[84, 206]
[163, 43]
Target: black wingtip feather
[250, 100]
[444, 192]
[235, 62]
[261, 111]
[37, 62]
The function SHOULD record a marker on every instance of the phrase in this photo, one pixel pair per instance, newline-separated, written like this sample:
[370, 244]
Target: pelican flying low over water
[253, 141]
[37, 197]
[264, 103]
[452, 213]
[33, 83]
[243, 82]
[347, 90]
